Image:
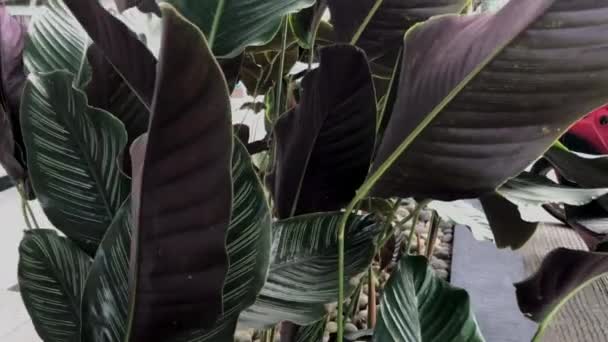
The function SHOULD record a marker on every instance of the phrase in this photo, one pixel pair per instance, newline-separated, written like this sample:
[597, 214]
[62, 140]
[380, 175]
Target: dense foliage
[171, 228]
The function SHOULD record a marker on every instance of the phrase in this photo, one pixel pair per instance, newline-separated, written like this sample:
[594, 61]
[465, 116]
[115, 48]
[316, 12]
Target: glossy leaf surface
[303, 276]
[418, 306]
[72, 150]
[232, 25]
[52, 273]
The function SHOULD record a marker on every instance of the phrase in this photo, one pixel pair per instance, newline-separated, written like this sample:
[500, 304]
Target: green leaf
[528, 190]
[418, 306]
[260, 70]
[232, 25]
[180, 240]
[248, 245]
[508, 228]
[303, 273]
[105, 297]
[483, 96]
[52, 273]
[323, 147]
[56, 41]
[72, 150]
[312, 333]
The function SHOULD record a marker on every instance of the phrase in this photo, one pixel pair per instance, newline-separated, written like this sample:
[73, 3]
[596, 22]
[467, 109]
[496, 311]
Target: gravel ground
[441, 262]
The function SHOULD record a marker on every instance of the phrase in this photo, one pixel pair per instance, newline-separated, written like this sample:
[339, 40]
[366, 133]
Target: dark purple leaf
[109, 91]
[146, 6]
[129, 56]
[490, 93]
[384, 34]
[232, 70]
[12, 42]
[241, 131]
[324, 146]
[182, 191]
[562, 271]
[509, 230]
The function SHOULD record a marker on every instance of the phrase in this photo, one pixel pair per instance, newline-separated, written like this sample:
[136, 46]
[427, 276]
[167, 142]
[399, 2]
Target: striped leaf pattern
[72, 150]
[105, 297]
[419, 307]
[52, 273]
[312, 332]
[232, 25]
[248, 245]
[303, 273]
[56, 41]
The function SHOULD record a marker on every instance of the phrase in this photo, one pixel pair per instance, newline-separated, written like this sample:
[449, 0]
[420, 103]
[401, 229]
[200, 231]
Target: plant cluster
[175, 227]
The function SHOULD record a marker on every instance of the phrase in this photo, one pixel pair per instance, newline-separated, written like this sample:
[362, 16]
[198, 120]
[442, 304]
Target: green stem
[25, 208]
[278, 96]
[364, 24]
[432, 238]
[416, 217]
[316, 22]
[542, 328]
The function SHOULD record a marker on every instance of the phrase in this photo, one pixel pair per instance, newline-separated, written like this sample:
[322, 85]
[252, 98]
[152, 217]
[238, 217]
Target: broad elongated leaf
[531, 190]
[105, 296]
[52, 274]
[384, 32]
[129, 56]
[312, 333]
[562, 271]
[72, 150]
[480, 97]
[182, 189]
[248, 245]
[56, 41]
[303, 276]
[418, 306]
[324, 146]
[13, 78]
[232, 25]
[109, 91]
[508, 228]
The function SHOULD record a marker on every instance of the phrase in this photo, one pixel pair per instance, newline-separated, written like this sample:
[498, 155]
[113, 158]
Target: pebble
[365, 289]
[363, 301]
[331, 327]
[439, 264]
[362, 316]
[443, 274]
[350, 328]
[425, 215]
[447, 238]
[243, 336]
[442, 252]
[403, 212]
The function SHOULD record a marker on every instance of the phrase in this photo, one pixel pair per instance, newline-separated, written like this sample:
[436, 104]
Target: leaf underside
[324, 146]
[498, 90]
[179, 245]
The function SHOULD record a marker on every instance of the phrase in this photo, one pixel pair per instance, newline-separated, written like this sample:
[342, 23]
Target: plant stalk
[316, 22]
[432, 238]
[371, 303]
[25, 207]
[278, 96]
[366, 21]
[416, 217]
